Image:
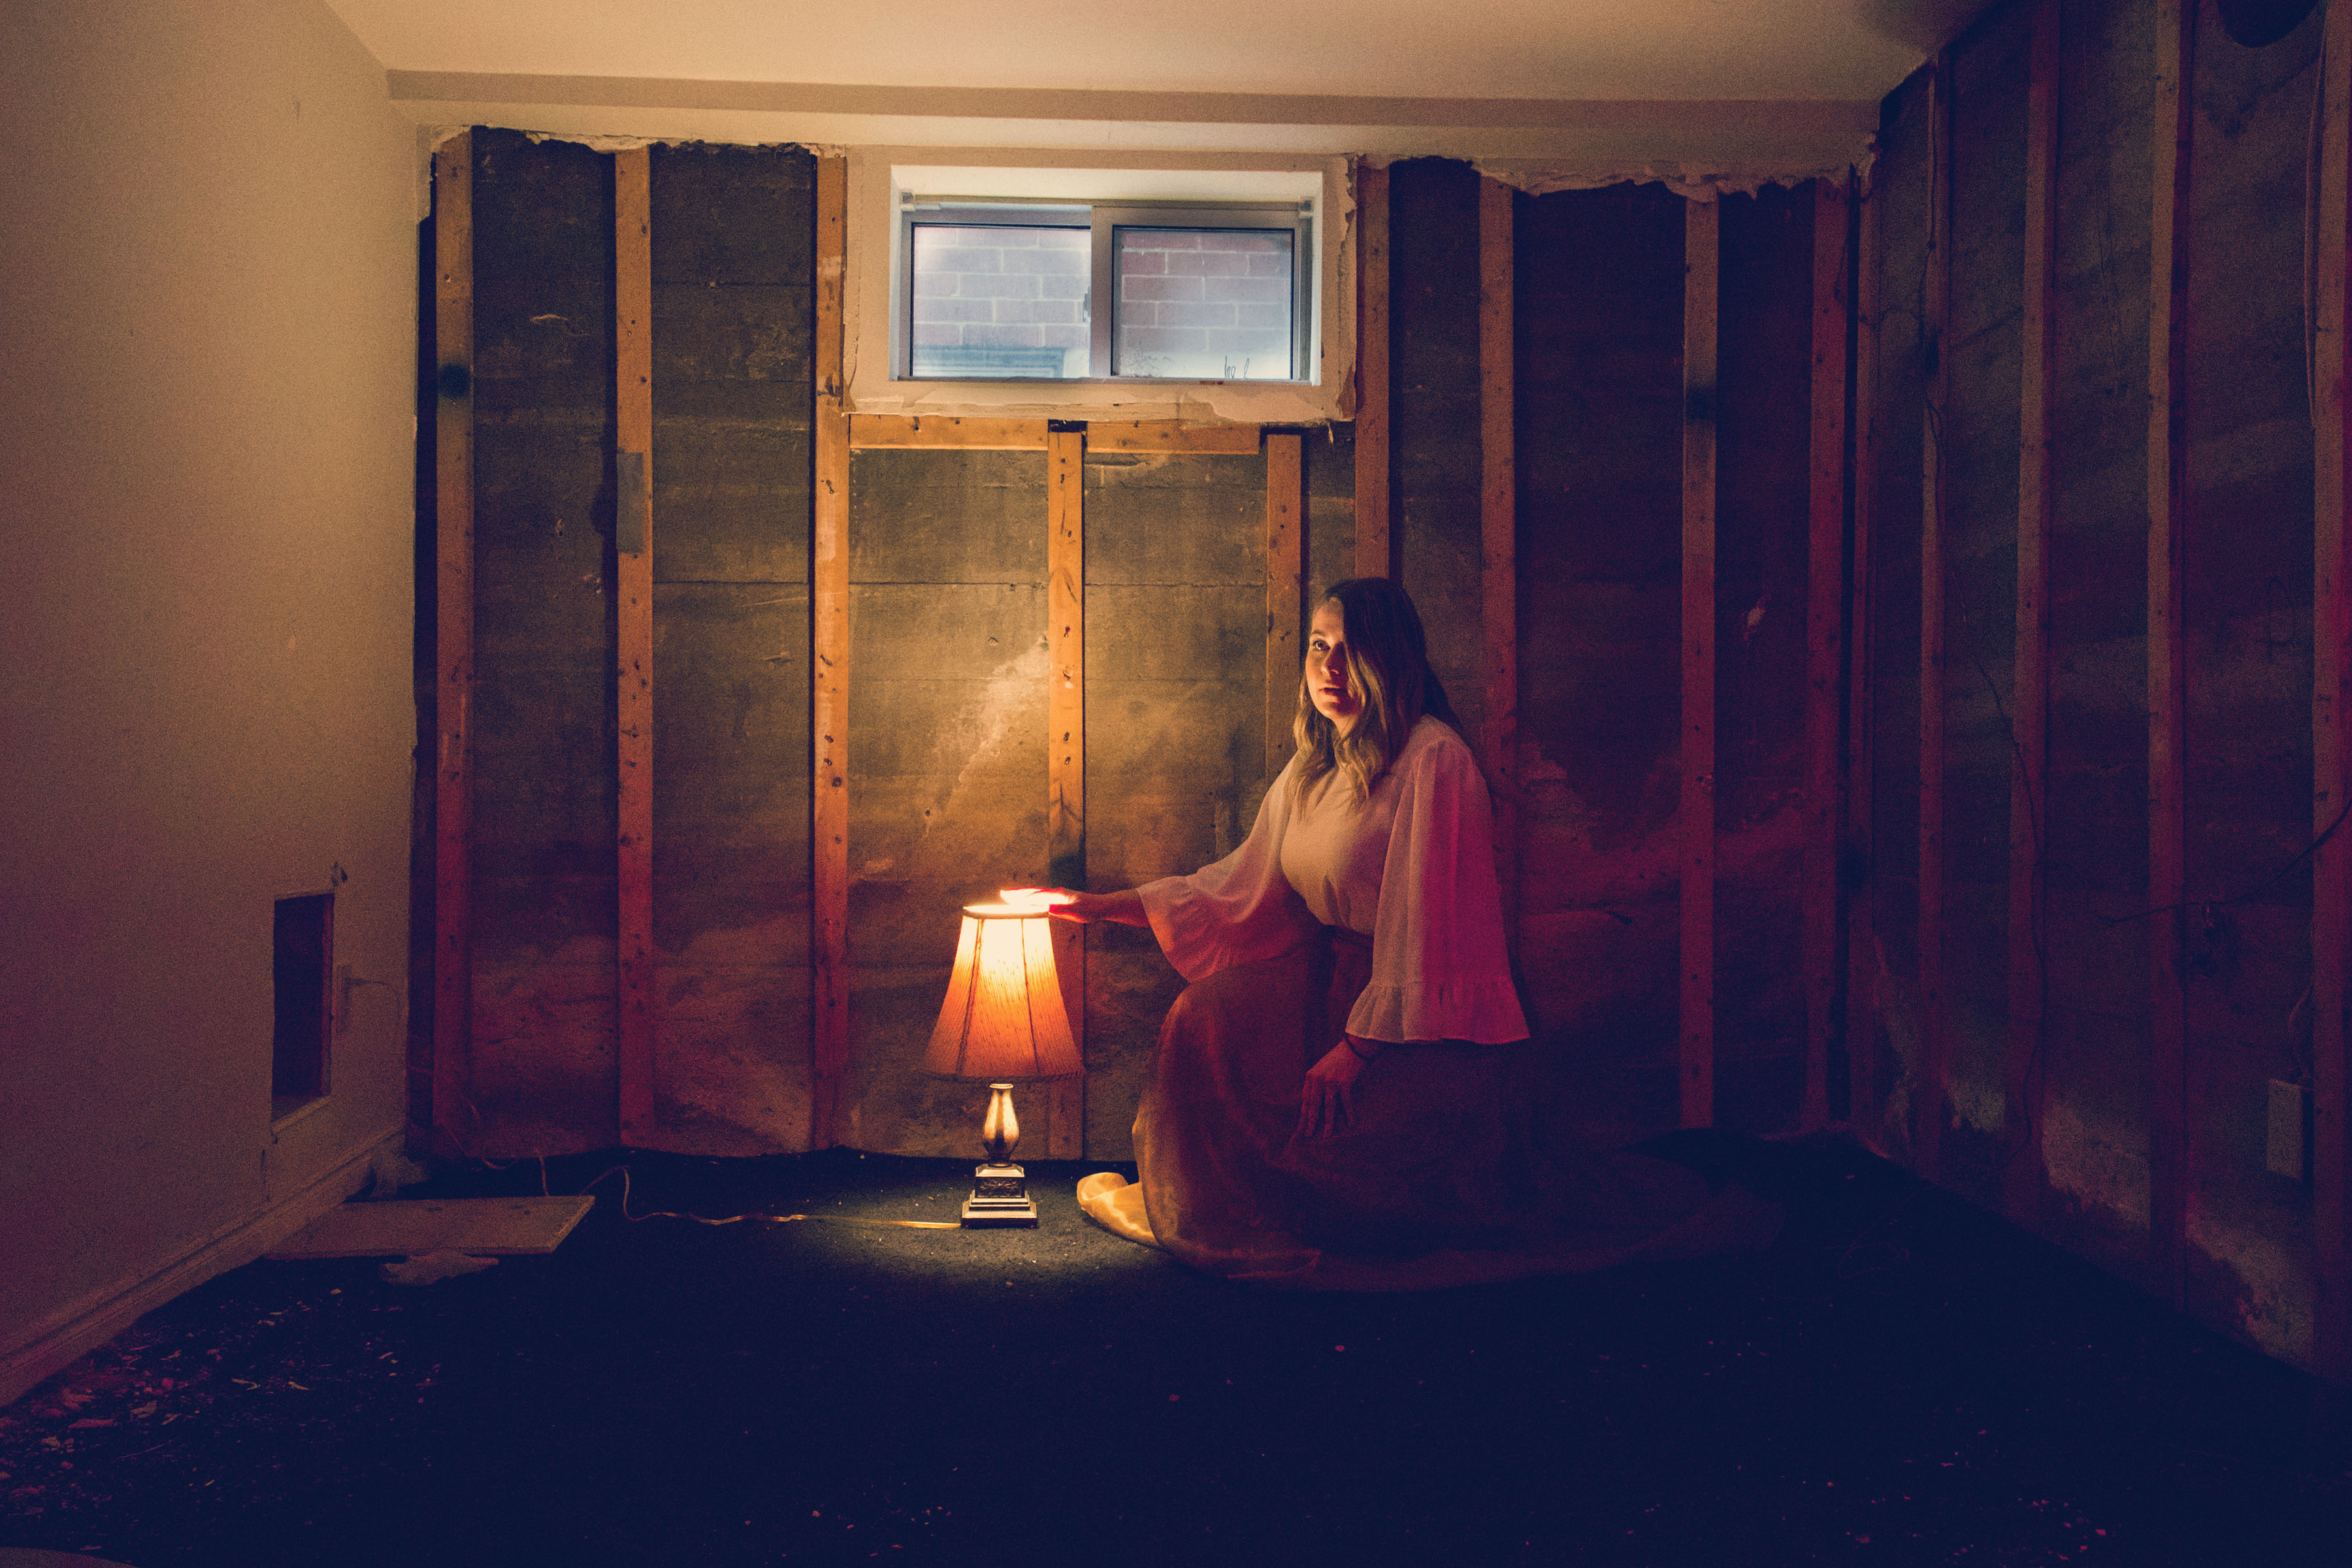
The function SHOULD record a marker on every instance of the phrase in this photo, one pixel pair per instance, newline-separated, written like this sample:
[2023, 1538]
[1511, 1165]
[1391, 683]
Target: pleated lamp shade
[1003, 1019]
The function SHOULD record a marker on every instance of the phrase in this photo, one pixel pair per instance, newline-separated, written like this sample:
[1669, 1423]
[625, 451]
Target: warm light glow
[1003, 1016]
[1030, 898]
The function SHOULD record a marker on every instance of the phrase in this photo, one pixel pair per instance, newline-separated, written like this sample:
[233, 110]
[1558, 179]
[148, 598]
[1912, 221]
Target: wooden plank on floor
[1701, 229]
[412, 1228]
[2021, 1177]
[1825, 643]
[2174, 113]
[829, 674]
[633, 625]
[1286, 590]
[453, 591]
[945, 433]
[1169, 436]
[1857, 846]
[1499, 511]
[2331, 911]
[1375, 485]
[1928, 1111]
[1066, 758]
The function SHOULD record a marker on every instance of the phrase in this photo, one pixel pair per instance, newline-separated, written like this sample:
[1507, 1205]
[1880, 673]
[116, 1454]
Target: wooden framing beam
[2173, 110]
[829, 674]
[1066, 757]
[1171, 436]
[452, 774]
[1701, 231]
[1375, 547]
[2331, 908]
[2022, 1180]
[1286, 590]
[633, 617]
[1934, 1037]
[1824, 642]
[1864, 1092]
[936, 432]
[1499, 509]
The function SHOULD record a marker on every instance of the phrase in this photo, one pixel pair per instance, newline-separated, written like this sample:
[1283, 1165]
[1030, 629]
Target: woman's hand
[1327, 1103]
[1122, 907]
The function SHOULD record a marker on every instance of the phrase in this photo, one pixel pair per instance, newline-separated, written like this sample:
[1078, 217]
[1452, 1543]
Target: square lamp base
[999, 1196]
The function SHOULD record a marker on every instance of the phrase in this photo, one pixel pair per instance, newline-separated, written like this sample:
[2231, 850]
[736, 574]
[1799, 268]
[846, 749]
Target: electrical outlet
[2288, 1150]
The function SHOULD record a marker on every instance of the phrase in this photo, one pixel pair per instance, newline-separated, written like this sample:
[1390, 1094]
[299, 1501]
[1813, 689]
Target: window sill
[1225, 402]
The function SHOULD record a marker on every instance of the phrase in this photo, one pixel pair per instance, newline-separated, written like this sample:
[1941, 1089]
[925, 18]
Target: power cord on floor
[623, 1172]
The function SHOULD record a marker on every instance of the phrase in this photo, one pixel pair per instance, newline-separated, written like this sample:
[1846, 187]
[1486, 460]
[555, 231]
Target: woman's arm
[1327, 1101]
[1124, 907]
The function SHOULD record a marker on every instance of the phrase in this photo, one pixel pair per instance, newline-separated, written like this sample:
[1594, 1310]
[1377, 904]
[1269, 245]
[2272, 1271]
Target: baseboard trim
[53, 1342]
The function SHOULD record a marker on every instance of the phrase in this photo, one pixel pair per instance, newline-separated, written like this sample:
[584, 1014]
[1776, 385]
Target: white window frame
[1103, 219]
[875, 287]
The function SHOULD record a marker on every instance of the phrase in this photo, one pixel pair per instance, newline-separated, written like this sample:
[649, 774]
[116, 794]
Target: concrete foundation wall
[2247, 520]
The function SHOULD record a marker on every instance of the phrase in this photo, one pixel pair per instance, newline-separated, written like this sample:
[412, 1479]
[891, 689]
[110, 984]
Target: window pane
[1206, 304]
[995, 301]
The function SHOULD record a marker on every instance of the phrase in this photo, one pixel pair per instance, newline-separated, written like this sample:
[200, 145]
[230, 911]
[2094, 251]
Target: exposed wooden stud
[633, 617]
[933, 431]
[1498, 508]
[829, 674]
[1286, 590]
[2022, 1180]
[1934, 1038]
[1169, 436]
[1375, 552]
[2174, 110]
[1858, 847]
[1825, 643]
[453, 786]
[1701, 229]
[1066, 757]
[2331, 911]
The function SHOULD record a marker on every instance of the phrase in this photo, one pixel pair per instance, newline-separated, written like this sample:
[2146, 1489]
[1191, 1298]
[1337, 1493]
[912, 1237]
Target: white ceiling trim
[1701, 147]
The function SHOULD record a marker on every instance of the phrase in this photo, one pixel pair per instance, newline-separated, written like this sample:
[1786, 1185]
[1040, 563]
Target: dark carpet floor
[1903, 1380]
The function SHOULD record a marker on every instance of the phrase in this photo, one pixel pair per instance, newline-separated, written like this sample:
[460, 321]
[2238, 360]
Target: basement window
[303, 967]
[1044, 289]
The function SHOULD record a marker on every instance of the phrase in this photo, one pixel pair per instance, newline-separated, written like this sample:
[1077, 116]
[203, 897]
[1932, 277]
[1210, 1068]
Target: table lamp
[1003, 1022]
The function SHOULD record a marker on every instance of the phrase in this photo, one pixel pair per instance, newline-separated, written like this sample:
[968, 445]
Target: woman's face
[1328, 661]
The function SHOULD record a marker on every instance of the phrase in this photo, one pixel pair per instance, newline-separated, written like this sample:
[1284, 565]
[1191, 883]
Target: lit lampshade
[1004, 1017]
[1003, 1022]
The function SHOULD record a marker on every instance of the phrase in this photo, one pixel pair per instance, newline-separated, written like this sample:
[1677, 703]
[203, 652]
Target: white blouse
[1412, 868]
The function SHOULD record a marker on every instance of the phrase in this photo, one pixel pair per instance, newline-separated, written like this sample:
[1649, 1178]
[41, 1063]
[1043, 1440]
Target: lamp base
[999, 1196]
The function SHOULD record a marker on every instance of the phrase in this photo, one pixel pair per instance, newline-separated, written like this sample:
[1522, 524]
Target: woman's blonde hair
[1389, 676]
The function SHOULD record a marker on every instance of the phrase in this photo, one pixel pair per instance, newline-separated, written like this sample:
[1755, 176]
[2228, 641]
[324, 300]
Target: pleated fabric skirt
[1440, 1177]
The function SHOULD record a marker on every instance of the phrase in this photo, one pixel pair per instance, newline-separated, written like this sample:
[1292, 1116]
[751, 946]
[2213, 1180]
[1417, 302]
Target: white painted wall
[207, 318]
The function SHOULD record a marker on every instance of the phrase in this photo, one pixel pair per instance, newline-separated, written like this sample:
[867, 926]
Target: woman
[1326, 1105]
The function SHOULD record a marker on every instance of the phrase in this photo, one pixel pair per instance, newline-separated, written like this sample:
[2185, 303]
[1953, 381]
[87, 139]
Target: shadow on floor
[1904, 1379]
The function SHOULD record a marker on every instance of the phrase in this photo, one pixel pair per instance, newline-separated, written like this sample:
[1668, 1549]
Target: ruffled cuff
[1483, 1012]
[1202, 933]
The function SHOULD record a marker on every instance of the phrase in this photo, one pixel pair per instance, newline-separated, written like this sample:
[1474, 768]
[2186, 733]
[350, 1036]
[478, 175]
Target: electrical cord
[623, 1171]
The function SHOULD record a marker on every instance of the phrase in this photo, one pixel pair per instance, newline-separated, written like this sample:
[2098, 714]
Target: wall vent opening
[302, 969]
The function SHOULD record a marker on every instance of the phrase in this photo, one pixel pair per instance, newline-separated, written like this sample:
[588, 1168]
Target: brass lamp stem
[1000, 1131]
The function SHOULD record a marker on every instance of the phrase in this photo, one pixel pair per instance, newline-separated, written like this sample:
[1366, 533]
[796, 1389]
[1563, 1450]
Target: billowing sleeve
[1239, 910]
[1440, 968]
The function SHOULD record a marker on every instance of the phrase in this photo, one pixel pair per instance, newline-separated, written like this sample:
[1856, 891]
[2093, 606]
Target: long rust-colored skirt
[1439, 1179]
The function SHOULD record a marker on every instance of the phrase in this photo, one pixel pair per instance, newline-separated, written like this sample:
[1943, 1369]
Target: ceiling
[1048, 72]
[1491, 48]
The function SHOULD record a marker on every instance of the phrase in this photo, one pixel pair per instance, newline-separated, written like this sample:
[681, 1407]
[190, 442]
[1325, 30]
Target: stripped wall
[1185, 677]
[2153, 886]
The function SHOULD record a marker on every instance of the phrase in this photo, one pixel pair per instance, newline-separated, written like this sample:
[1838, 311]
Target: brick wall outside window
[993, 302]
[1204, 304]
[1197, 304]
